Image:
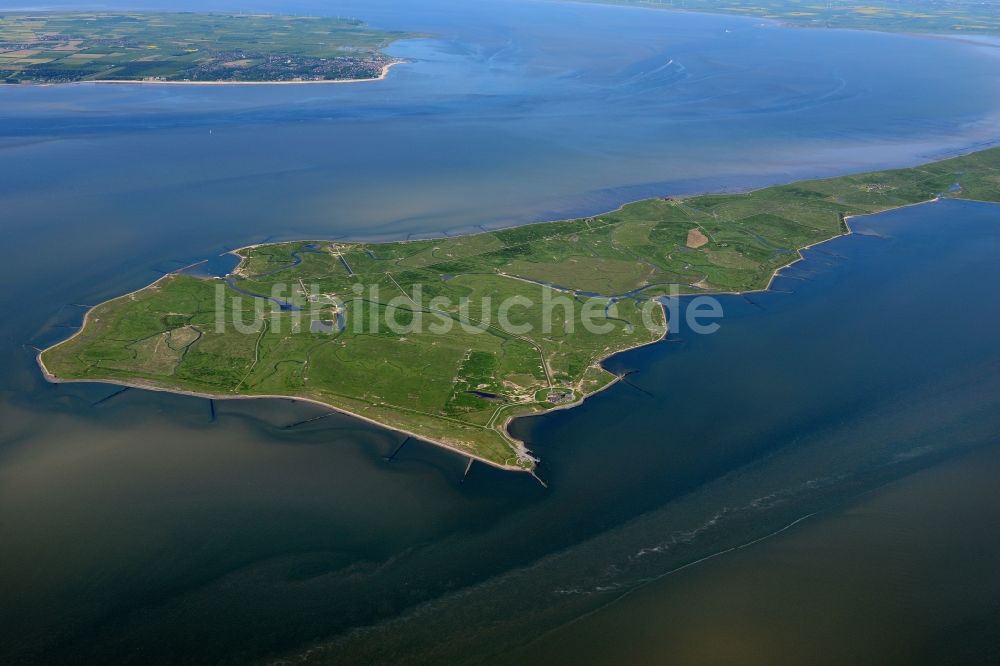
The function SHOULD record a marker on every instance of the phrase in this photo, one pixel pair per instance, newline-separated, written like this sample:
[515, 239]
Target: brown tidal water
[904, 574]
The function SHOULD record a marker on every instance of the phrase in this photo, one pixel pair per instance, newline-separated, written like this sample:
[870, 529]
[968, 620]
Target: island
[448, 339]
[973, 17]
[176, 47]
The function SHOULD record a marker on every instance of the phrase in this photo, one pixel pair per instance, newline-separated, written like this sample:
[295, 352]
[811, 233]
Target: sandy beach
[382, 75]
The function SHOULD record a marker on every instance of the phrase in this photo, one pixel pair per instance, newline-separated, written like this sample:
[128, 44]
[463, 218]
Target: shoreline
[786, 22]
[148, 82]
[849, 232]
[444, 235]
[600, 363]
[519, 446]
[52, 379]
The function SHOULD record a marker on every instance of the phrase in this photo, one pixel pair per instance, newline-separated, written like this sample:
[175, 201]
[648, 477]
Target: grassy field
[936, 16]
[49, 47]
[507, 353]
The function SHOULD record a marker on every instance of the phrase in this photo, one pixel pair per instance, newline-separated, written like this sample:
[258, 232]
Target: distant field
[459, 388]
[66, 47]
[938, 16]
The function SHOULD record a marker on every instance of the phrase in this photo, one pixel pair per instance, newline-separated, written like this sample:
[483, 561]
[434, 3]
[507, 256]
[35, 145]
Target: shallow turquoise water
[159, 527]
